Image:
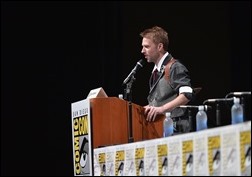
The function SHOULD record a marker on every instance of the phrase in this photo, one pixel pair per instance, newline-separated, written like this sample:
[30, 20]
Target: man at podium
[170, 84]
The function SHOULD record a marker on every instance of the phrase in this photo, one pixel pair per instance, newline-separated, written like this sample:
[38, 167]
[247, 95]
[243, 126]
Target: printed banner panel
[81, 134]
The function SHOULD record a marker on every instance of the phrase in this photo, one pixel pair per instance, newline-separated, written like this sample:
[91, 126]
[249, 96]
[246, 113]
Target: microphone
[139, 65]
[206, 107]
[238, 94]
[241, 93]
[189, 106]
[217, 100]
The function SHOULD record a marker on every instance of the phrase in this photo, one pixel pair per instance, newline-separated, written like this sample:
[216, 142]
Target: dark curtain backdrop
[54, 53]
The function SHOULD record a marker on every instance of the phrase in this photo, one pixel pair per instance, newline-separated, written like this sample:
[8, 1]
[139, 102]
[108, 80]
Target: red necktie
[154, 76]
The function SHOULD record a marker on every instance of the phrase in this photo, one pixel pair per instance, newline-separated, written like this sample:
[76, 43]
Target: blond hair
[157, 34]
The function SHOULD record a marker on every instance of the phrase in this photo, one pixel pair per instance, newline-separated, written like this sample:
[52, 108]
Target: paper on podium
[98, 92]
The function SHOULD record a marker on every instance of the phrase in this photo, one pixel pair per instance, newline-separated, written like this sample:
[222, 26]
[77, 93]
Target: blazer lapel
[161, 73]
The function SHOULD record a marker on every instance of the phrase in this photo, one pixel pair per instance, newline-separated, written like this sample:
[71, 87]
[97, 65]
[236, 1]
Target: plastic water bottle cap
[236, 100]
[201, 108]
[168, 114]
[120, 96]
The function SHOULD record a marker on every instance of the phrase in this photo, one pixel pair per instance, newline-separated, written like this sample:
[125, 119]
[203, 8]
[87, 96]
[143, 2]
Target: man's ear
[160, 46]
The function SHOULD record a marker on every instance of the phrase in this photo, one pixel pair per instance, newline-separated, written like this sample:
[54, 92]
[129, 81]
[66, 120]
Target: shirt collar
[159, 65]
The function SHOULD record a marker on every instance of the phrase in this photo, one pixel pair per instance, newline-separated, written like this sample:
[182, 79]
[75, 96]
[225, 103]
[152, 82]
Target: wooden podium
[110, 122]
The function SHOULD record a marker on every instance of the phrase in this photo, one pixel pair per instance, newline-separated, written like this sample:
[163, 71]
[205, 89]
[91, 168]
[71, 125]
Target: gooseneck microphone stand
[128, 97]
[218, 115]
[217, 102]
[190, 118]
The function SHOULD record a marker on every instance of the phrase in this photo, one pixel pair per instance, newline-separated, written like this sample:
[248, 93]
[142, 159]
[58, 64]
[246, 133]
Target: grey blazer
[164, 91]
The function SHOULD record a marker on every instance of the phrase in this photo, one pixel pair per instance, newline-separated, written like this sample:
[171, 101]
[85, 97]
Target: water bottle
[237, 111]
[201, 119]
[167, 125]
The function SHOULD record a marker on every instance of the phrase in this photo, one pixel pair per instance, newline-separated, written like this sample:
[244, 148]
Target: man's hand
[152, 112]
